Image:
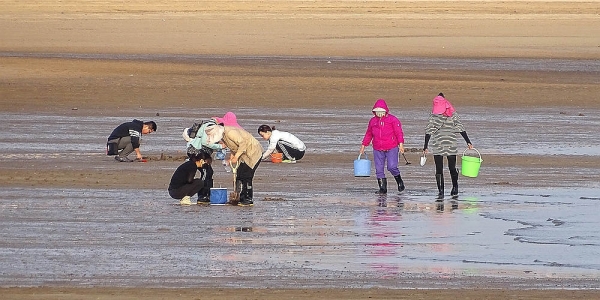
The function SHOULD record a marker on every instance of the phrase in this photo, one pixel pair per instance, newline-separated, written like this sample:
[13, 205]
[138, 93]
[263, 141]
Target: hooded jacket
[132, 129]
[386, 132]
[208, 135]
[441, 106]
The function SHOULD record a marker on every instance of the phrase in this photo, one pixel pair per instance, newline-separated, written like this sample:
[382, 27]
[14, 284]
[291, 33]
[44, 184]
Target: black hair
[198, 156]
[151, 124]
[441, 94]
[265, 128]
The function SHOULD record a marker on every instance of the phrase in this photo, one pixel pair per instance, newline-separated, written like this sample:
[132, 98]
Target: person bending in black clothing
[183, 182]
[126, 138]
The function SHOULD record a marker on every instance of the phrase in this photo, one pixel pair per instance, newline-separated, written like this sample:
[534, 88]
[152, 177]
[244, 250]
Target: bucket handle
[480, 160]
[365, 153]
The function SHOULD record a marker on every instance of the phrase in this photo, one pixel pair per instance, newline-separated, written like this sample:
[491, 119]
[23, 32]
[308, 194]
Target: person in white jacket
[288, 144]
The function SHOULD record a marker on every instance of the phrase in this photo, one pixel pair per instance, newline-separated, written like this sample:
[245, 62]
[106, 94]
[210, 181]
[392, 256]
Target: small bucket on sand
[470, 164]
[218, 196]
[362, 167]
[276, 157]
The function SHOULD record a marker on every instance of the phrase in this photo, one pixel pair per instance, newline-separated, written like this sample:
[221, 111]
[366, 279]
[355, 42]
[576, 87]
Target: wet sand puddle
[105, 237]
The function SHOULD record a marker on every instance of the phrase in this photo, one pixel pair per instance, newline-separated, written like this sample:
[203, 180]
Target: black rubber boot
[204, 196]
[382, 182]
[454, 176]
[239, 188]
[439, 178]
[399, 182]
[246, 194]
[207, 176]
[250, 192]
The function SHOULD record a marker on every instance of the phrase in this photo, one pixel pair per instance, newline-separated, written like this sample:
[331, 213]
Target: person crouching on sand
[183, 183]
[289, 145]
[385, 131]
[197, 140]
[441, 129]
[126, 139]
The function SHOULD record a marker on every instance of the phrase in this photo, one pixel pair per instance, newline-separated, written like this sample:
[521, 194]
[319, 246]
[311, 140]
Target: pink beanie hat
[441, 106]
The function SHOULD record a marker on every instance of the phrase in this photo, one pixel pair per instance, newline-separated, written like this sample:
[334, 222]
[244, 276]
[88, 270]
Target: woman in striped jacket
[441, 129]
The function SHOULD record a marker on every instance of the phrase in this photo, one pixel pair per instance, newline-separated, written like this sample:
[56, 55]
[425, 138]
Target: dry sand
[47, 59]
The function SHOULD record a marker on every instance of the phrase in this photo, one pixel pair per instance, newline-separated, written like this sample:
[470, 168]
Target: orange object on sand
[276, 157]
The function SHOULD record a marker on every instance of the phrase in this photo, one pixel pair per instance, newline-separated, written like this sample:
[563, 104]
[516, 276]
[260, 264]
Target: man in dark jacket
[126, 139]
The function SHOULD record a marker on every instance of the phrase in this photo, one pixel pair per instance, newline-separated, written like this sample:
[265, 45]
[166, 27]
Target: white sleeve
[271, 147]
[185, 135]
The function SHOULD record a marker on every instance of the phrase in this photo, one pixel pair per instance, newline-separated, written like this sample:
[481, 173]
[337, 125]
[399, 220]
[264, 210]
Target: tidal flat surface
[326, 230]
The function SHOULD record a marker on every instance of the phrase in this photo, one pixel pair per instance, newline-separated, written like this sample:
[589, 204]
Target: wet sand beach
[77, 225]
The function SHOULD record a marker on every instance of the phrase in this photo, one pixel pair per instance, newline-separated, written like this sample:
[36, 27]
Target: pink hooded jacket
[386, 132]
[441, 106]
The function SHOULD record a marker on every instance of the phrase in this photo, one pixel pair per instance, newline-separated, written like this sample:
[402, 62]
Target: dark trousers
[206, 174]
[439, 163]
[288, 151]
[245, 172]
[187, 190]
[124, 145]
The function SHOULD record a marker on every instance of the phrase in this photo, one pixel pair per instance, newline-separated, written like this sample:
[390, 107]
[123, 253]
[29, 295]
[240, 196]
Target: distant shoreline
[400, 63]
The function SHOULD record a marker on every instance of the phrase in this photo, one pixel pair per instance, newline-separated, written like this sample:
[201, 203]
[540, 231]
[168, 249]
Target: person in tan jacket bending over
[244, 148]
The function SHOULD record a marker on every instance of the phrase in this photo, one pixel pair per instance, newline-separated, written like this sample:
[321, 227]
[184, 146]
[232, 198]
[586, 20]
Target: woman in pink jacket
[385, 131]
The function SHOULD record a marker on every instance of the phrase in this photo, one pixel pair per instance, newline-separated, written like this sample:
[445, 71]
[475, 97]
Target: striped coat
[443, 132]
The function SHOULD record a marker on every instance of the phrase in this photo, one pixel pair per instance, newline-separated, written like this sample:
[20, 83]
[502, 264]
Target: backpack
[191, 150]
[193, 131]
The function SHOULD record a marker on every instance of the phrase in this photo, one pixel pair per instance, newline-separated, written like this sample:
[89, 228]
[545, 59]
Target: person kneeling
[183, 184]
[289, 145]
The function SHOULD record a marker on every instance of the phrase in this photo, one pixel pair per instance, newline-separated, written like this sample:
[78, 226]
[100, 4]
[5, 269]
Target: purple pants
[380, 157]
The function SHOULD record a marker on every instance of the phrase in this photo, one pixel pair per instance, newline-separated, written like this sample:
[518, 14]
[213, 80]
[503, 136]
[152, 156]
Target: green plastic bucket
[471, 164]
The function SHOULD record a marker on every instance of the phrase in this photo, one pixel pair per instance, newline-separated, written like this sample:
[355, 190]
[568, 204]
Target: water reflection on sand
[98, 237]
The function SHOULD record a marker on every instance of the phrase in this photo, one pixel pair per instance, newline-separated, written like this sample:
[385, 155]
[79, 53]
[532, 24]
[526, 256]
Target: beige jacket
[241, 141]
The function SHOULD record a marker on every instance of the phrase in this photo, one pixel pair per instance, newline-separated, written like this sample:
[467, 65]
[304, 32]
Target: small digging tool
[234, 197]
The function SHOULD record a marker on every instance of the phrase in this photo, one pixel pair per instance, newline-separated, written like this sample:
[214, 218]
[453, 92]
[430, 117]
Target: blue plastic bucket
[362, 167]
[218, 196]
[221, 154]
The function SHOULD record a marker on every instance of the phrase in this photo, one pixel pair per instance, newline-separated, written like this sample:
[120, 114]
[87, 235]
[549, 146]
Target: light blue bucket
[218, 196]
[362, 167]
[221, 154]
